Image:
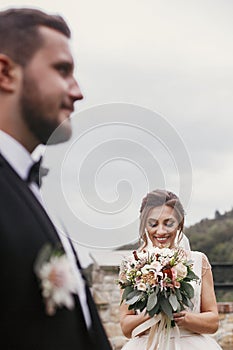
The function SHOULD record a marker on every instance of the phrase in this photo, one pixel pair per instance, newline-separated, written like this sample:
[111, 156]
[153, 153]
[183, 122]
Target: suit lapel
[23, 191]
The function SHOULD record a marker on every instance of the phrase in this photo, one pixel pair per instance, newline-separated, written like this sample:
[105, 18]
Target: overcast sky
[168, 66]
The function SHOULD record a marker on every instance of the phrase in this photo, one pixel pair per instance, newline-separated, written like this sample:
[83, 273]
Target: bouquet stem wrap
[159, 334]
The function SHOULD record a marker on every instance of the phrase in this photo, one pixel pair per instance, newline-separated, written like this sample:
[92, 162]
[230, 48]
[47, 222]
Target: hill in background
[214, 237]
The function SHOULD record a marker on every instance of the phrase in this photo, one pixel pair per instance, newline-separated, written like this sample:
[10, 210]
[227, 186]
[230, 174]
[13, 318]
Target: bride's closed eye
[152, 223]
[170, 223]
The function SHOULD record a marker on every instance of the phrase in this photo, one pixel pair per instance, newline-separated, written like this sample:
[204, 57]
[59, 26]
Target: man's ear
[9, 73]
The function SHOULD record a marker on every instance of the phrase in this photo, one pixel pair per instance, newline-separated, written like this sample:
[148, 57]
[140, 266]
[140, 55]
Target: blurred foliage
[214, 237]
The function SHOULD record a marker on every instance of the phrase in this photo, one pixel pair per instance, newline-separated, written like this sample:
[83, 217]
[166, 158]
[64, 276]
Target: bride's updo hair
[155, 199]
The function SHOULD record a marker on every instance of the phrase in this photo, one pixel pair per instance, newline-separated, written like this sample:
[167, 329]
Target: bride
[161, 225]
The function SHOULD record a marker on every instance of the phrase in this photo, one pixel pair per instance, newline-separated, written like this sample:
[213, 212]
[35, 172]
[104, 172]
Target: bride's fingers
[179, 316]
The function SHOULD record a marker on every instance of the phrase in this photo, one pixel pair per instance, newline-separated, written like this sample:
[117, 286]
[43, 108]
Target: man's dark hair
[19, 34]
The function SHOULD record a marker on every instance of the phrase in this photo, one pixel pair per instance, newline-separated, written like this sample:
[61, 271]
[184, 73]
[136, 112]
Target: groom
[37, 94]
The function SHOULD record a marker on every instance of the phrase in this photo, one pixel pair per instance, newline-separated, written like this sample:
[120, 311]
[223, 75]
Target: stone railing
[106, 294]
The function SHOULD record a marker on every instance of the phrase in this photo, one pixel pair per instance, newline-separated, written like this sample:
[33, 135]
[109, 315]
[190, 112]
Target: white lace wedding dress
[184, 340]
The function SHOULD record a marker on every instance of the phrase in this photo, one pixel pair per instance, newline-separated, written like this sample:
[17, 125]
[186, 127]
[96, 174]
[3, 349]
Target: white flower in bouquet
[181, 270]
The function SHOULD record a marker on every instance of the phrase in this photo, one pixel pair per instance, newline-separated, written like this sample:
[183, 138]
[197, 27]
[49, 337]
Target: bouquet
[158, 281]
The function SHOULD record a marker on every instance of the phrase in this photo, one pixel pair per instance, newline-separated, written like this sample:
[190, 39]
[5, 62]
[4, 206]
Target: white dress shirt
[21, 161]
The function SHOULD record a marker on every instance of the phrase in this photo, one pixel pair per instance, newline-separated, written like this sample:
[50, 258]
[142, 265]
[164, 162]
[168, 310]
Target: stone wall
[224, 335]
[107, 297]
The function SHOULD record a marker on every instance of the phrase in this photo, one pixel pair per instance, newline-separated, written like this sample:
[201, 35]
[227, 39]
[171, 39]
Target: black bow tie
[36, 172]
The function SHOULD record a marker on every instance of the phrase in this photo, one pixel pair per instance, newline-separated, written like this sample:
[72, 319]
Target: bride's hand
[180, 318]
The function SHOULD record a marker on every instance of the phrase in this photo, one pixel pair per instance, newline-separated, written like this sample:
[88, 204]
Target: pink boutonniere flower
[57, 281]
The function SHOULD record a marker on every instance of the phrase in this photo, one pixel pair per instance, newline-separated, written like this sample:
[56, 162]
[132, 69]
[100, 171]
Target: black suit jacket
[24, 229]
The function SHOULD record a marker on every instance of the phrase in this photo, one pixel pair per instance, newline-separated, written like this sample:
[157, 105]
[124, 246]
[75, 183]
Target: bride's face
[162, 226]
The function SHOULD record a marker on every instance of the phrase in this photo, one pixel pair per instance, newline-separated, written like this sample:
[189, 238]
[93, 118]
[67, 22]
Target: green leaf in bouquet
[152, 301]
[173, 301]
[133, 297]
[191, 276]
[141, 303]
[178, 294]
[132, 293]
[166, 308]
[132, 307]
[126, 292]
[155, 310]
[186, 301]
[188, 289]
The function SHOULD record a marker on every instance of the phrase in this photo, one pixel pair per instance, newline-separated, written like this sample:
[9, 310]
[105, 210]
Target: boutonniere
[56, 278]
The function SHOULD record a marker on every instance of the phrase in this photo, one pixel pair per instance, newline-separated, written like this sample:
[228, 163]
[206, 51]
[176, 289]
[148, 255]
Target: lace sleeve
[205, 264]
